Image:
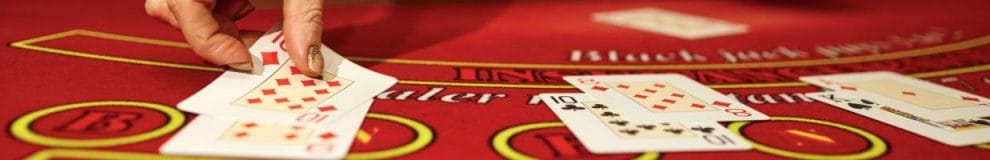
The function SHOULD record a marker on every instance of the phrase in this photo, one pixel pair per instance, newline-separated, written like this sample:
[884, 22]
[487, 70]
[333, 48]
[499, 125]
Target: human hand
[208, 26]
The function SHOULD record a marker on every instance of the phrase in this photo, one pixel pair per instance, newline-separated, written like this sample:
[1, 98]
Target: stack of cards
[277, 112]
[940, 113]
[640, 113]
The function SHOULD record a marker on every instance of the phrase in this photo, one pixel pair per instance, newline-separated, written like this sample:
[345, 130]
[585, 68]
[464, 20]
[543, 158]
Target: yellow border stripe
[134, 39]
[97, 154]
[815, 62]
[28, 44]
[983, 40]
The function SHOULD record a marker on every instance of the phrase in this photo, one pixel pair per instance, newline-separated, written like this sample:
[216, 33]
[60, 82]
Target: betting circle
[877, 145]
[21, 127]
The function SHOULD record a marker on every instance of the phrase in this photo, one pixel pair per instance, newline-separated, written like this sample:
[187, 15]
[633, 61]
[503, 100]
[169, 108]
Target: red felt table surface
[112, 59]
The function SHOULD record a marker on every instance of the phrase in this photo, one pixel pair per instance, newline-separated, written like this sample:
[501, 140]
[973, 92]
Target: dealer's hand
[209, 28]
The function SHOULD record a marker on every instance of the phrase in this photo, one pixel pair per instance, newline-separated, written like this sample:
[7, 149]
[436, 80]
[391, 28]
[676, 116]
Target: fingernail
[315, 59]
[246, 66]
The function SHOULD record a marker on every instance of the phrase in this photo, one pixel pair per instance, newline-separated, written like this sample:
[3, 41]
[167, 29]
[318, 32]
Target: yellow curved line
[424, 136]
[21, 127]
[108, 155]
[134, 39]
[27, 44]
[815, 62]
[877, 146]
[500, 142]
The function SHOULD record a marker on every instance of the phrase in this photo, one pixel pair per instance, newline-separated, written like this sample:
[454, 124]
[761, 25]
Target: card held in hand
[279, 92]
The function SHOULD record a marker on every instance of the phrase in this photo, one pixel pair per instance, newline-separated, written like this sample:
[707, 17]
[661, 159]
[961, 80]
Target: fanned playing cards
[275, 111]
[943, 114]
[649, 113]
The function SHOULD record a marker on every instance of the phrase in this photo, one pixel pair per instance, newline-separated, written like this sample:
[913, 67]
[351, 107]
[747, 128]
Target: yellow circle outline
[501, 140]
[424, 135]
[21, 127]
[877, 145]
[983, 146]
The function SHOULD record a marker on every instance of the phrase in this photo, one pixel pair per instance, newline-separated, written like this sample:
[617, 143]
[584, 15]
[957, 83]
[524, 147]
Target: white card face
[602, 129]
[960, 131]
[226, 137]
[279, 92]
[664, 97]
[665, 22]
[916, 96]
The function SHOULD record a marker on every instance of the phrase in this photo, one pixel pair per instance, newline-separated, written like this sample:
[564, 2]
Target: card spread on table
[664, 97]
[960, 130]
[917, 96]
[279, 92]
[603, 128]
[238, 137]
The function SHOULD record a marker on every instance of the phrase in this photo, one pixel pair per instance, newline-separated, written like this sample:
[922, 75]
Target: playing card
[664, 97]
[603, 130]
[665, 22]
[279, 92]
[959, 131]
[913, 95]
[248, 138]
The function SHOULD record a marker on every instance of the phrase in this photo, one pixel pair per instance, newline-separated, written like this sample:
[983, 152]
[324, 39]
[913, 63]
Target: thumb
[303, 34]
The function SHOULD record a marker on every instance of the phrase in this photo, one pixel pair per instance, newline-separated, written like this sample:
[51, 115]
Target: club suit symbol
[673, 130]
[619, 122]
[865, 106]
[572, 107]
[599, 106]
[646, 126]
[609, 114]
[629, 131]
[703, 129]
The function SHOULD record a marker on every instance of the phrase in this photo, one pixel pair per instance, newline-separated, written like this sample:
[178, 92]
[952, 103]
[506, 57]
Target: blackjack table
[101, 79]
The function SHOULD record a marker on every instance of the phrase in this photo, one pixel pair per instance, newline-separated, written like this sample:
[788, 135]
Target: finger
[159, 10]
[210, 35]
[235, 9]
[303, 34]
[250, 36]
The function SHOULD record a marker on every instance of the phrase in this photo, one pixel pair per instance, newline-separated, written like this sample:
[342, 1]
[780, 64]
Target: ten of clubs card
[603, 128]
[664, 97]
